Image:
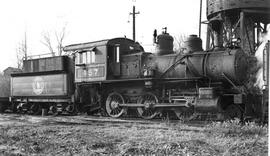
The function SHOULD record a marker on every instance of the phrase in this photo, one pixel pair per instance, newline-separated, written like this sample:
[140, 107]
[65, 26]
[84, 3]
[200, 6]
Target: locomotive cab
[102, 60]
[119, 63]
[100, 64]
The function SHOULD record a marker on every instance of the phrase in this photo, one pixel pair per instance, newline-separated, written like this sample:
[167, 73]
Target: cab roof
[89, 45]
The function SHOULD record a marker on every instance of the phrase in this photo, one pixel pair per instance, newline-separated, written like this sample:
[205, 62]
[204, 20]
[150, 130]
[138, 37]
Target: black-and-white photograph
[134, 77]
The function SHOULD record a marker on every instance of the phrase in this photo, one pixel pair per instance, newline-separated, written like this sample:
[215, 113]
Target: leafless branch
[60, 37]
[179, 42]
[47, 42]
[21, 52]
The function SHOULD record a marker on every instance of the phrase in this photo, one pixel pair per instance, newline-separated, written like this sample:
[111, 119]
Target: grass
[217, 138]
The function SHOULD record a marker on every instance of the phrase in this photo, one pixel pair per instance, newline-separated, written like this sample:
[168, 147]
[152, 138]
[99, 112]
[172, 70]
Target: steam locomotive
[118, 77]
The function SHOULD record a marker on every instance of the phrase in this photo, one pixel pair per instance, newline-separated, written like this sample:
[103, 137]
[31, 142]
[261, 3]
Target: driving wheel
[147, 111]
[112, 105]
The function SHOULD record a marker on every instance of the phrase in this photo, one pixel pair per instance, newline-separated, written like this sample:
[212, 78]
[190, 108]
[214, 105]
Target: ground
[84, 135]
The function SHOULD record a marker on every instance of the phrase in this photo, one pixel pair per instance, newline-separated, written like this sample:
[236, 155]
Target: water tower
[242, 21]
[241, 24]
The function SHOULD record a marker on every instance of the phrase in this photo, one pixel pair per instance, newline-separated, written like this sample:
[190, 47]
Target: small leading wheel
[184, 114]
[112, 105]
[71, 109]
[148, 100]
[233, 111]
[53, 110]
[35, 109]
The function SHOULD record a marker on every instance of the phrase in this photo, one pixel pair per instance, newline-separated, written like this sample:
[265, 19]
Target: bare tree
[21, 52]
[19, 58]
[47, 42]
[60, 37]
[179, 43]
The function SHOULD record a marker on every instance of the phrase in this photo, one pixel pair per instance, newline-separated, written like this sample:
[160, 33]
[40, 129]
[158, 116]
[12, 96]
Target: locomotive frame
[136, 86]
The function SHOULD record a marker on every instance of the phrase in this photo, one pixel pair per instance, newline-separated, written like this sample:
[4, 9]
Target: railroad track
[14, 119]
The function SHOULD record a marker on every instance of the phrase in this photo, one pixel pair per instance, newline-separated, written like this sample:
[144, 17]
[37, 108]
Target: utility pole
[134, 20]
[200, 20]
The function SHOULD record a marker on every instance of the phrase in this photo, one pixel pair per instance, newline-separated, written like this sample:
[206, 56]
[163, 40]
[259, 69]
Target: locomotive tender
[44, 83]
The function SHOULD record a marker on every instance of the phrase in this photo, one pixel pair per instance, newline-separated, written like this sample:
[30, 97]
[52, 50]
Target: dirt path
[19, 119]
[84, 135]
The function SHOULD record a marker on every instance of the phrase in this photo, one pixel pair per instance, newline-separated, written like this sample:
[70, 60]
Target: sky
[90, 20]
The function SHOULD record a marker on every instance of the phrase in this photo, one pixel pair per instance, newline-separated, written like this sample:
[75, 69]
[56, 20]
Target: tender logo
[38, 85]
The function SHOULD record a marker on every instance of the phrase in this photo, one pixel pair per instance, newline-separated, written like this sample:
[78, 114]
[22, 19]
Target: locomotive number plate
[95, 72]
[90, 72]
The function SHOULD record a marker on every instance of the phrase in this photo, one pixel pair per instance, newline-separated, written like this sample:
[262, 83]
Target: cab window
[117, 51]
[79, 58]
[85, 57]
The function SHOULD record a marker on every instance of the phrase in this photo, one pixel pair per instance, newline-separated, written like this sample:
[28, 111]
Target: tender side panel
[57, 63]
[42, 85]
